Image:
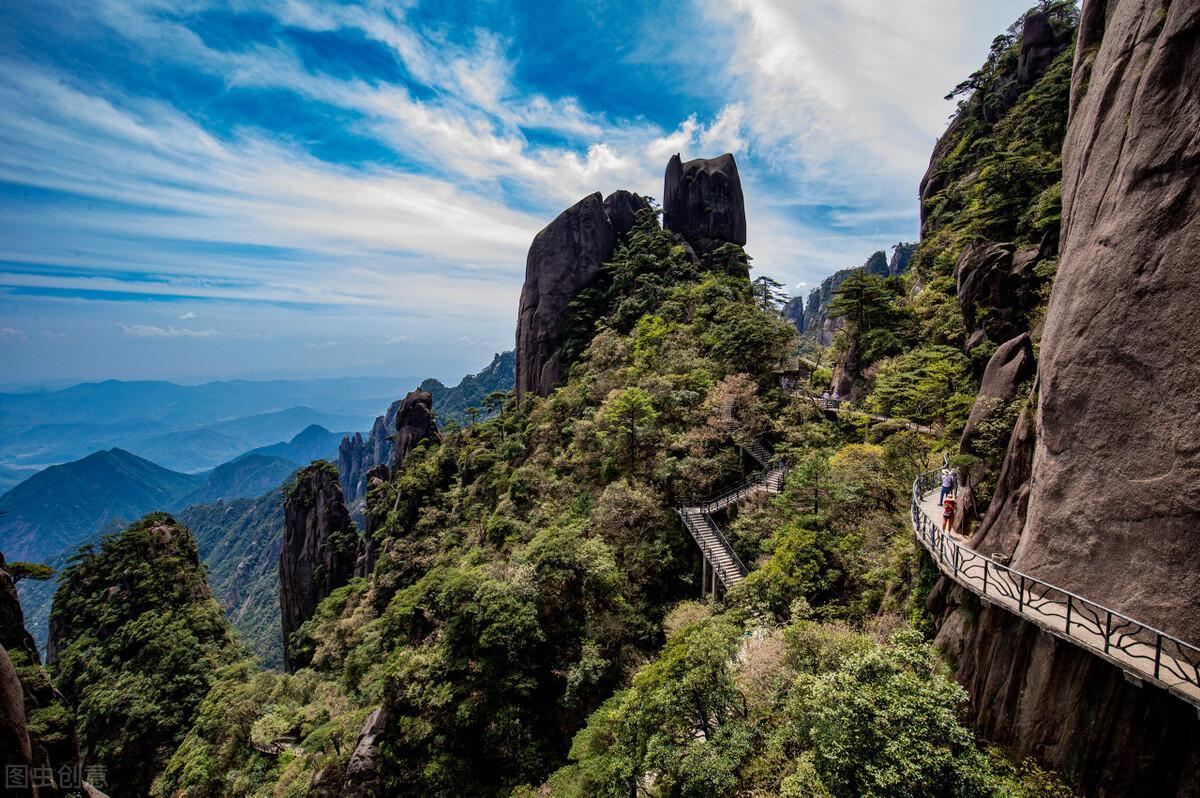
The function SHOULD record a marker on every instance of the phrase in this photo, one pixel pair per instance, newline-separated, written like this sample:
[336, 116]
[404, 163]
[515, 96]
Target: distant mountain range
[62, 506]
[234, 509]
[215, 421]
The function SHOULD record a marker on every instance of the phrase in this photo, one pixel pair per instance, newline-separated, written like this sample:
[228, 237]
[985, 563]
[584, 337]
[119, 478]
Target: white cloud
[154, 331]
[191, 314]
[12, 334]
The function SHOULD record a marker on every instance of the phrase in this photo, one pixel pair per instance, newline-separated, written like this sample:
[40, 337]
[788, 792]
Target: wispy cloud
[154, 331]
[404, 190]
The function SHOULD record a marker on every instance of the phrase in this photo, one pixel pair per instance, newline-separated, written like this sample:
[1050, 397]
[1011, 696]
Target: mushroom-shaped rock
[702, 201]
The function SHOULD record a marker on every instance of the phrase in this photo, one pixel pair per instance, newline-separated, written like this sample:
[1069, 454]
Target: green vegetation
[29, 570]
[139, 639]
[239, 542]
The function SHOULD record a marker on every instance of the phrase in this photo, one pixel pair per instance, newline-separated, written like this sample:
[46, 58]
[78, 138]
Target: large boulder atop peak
[320, 546]
[565, 257]
[414, 423]
[702, 201]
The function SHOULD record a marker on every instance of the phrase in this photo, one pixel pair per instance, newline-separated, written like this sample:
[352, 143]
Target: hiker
[949, 485]
[825, 399]
[948, 513]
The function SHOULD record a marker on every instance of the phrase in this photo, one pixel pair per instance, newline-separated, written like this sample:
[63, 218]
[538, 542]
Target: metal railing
[710, 552]
[1139, 649]
[759, 483]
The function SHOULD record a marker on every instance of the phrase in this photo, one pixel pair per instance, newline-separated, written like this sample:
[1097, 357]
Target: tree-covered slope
[136, 638]
[531, 569]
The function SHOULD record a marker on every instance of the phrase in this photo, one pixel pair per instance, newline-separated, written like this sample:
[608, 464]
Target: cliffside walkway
[1144, 653]
[842, 406]
[721, 563]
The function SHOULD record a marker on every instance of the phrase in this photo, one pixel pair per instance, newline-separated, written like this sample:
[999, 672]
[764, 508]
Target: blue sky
[194, 189]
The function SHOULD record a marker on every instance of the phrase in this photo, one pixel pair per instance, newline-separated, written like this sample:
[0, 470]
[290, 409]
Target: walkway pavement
[1142, 652]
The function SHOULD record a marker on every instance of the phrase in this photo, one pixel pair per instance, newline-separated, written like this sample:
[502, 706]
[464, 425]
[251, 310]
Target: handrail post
[1157, 653]
[1021, 597]
[1107, 630]
[985, 575]
[1068, 626]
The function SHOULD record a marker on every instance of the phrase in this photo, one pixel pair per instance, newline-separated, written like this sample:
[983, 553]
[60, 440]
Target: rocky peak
[320, 546]
[702, 201]
[1040, 45]
[566, 257]
[414, 423]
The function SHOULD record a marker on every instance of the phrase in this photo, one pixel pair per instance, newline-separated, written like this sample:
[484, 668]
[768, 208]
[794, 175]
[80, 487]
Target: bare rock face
[414, 423]
[1117, 466]
[1000, 530]
[1040, 696]
[1011, 365]
[319, 550]
[997, 287]
[565, 257]
[14, 733]
[1040, 45]
[622, 207]
[352, 462]
[368, 546]
[702, 201]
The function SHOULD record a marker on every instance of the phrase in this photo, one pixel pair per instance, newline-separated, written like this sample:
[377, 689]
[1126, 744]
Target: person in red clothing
[948, 506]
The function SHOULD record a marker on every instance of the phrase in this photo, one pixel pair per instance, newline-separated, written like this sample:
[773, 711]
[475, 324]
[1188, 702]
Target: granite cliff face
[320, 547]
[998, 287]
[1100, 491]
[703, 202]
[1040, 44]
[566, 257]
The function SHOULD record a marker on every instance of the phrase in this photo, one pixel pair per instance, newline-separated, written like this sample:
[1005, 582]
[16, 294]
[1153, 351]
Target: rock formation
[998, 286]
[319, 550]
[414, 423]
[622, 207]
[368, 547]
[566, 257]
[1011, 367]
[793, 311]
[356, 456]
[1117, 465]
[702, 201]
[1104, 498]
[812, 319]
